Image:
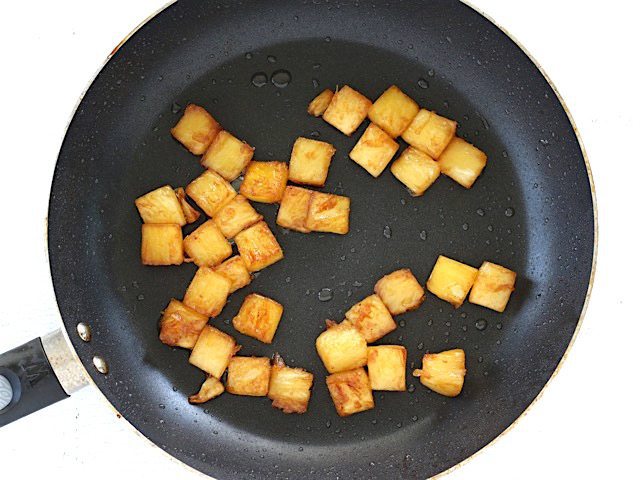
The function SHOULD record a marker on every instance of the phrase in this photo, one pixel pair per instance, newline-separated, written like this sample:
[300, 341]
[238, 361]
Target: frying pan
[531, 210]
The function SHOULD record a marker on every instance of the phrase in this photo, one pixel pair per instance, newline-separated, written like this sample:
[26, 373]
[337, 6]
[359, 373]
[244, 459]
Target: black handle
[33, 383]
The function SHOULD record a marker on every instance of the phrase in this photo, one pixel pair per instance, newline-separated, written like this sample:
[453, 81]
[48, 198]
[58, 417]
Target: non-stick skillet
[531, 211]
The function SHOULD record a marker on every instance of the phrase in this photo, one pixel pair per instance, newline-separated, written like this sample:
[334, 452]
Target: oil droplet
[423, 235]
[386, 231]
[509, 212]
[402, 323]
[175, 107]
[357, 284]
[420, 346]
[248, 56]
[465, 226]
[315, 82]
[259, 79]
[281, 78]
[316, 66]
[480, 359]
[314, 134]
[431, 72]
[271, 59]
[325, 294]
[499, 326]
[481, 324]
[490, 228]
[411, 388]
[422, 83]
[327, 39]
[161, 406]
[480, 212]
[140, 297]
[328, 424]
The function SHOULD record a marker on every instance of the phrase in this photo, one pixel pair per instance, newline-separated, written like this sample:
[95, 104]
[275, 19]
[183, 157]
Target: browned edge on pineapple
[328, 212]
[190, 214]
[451, 280]
[341, 347]
[400, 291]
[161, 206]
[196, 129]
[213, 351]
[289, 388]
[310, 161]
[443, 372]
[319, 104]
[161, 244]
[265, 181]
[258, 247]
[259, 317]
[180, 325]
[347, 110]
[371, 318]
[393, 111]
[227, 155]
[292, 213]
[210, 389]
[350, 391]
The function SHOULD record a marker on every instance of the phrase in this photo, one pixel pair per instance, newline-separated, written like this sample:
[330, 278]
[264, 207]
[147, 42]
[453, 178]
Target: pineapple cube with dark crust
[235, 216]
[328, 213]
[161, 244]
[350, 391]
[207, 293]
[400, 291]
[319, 104]
[430, 133]
[180, 325]
[341, 347]
[310, 160]
[210, 192]
[293, 209]
[347, 110]
[265, 181]
[371, 318]
[210, 389]
[258, 247]
[443, 372]
[393, 111]
[196, 129]
[235, 271]
[374, 150]
[451, 280]
[258, 317]
[462, 162]
[493, 286]
[161, 206]
[207, 246]
[190, 214]
[289, 388]
[213, 351]
[227, 156]
[416, 170]
[249, 376]
[387, 365]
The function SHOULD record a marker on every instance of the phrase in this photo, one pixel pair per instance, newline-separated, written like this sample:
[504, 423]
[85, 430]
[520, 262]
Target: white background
[583, 427]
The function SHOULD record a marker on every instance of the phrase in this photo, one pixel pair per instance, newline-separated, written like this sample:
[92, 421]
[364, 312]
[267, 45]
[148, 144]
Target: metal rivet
[101, 365]
[84, 331]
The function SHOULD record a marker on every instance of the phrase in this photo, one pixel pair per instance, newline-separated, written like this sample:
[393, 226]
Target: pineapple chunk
[416, 170]
[213, 351]
[207, 293]
[341, 347]
[328, 213]
[161, 244]
[258, 317]
[310, 160]
[289, 388]
[235, 216]
[161, 206]
[210, 389]
[293, 208]
[265, 181]
[443, 372]
[249, 376]
[180, 325]
[493, 286]
[258, 247]
[371, 318]
[400, 291]
[190, 214]
[236, 272]
[451, 280]
[393, 111]
[430, 133]
[207, 246]
[319, 104]
[196, 129]
[462, 162]
[387, 367]
[227, 156]
[210, 192]
[347, 109]
[350, 391]
[374, 150]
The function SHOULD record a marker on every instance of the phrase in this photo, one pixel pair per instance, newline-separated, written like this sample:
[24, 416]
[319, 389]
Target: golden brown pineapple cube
[493, 286]
[462, 162]
[207, 246]
[235, 216]
[293, 208]
[350, 391]
[207, 293]
[374, 150]
[347, 109]
[161, 206]
[371, 318]
[258, 247]
[451, 280]
[289, 388]
[196, 129]
[387, 366]
[430, 133]
[236, 272]
[213, 351]
[249, 376]
[393, 111]
[328, 213]
[265, 181]
[161, 244]
[341, 347]
[416, 170]
[443, 372]
[310, 160]
[210, 192]
[210, 389]
[400, 291]
[180, 325]
[227, 156]
[190, 214]
[319, 104]
[258, 317]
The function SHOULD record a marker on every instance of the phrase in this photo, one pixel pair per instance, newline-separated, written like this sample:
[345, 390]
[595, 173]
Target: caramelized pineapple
[387, 366]
[161, 244]
[393, 111]
[258, 317]
[207, 246]
[210, 389]
[190, 214]
[341, 347]
[293, 208]
[319, 104]
[213, 351]
[493, 286]
[249, 376]
[180, 325]
[258, 247]
[400, 291]
[161, 206]
[430, 133]
[235, 216]
[227, 156]
[265, 181]
[236, 272]
[374, 150]
[350, 391]
[196, 129]
[289, 388]
[371, 318]
[462, 162]
[328, 213]
[210, 192]
[416, 170]
[310, 160]
[207, 293]
[451, 280]
[347, 109]
[443, 372]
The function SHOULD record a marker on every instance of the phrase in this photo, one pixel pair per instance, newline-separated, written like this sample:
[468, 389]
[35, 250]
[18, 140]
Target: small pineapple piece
[236, 272]
[462, 162]
[235, 216]
[341, 347]
[196, 129]
[350, 391]
[320, 103]
[328, 213]
[210, 389]
[493, 286]
[289, 388]
[293, 208]
[400, 291]
[249, 376]
[374, 150]
[310, 160]
[258, 317]
[258, 247]
[430, 133]
[161, 206]
[451, 280]
[210, 192]
[347, 109]
[207, 293]
[371, 318]
[190, 214]
[180, 325]
[161, 244]
[213, 351]
[416, 170]
[207, 246]
[443, 372]
[265, 181]
[227, 156]
[387, 366]
[393, 111]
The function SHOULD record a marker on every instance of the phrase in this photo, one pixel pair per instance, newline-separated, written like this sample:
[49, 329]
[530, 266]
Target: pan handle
[37, 374]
